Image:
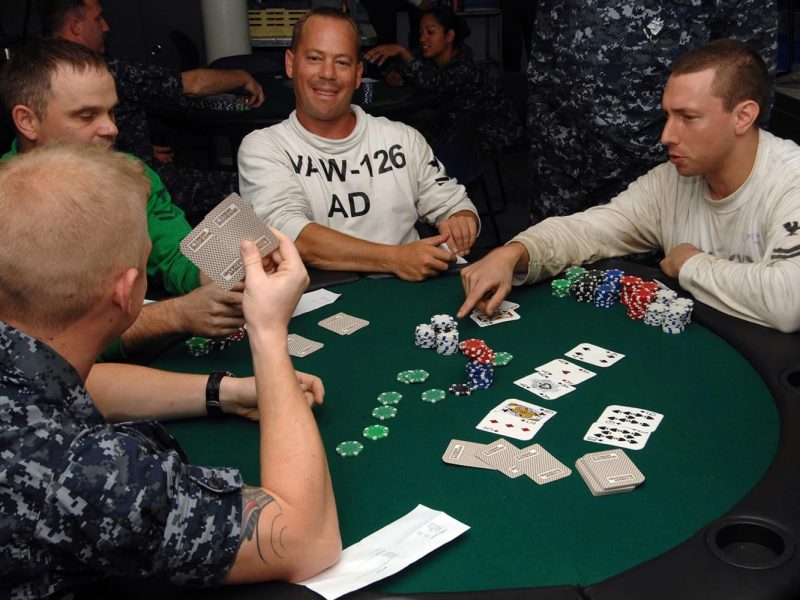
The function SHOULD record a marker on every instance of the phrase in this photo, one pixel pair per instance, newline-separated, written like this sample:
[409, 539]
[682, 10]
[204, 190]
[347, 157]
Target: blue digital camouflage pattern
[81, 498]
[465, 86]
[596, 75]
[195, 191]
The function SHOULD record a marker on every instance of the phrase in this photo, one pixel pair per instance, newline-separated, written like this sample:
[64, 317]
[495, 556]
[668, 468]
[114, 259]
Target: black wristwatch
[213, 405]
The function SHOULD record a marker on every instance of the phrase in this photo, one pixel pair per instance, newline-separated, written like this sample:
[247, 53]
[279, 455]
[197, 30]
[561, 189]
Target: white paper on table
[387, 551]
[314, 300]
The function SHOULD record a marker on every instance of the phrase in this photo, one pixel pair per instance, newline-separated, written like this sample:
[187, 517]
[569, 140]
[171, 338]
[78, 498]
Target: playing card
[544, 386]
[463, 453]
[500, 456]
[343, 324]
[214, 244]
[612, 435]
[612, 469]
[506, 305]
[516, 419]
[499, 316]
[541, 466]
[565, 371]
[300, 346]
[594, 355]
[633, 418]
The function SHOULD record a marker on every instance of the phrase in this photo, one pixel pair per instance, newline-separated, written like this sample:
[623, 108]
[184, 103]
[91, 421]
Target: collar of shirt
[34, 368]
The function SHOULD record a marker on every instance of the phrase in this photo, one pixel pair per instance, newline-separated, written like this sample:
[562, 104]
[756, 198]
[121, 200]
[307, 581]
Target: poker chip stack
[654, 314]
[198, 346]
[606, 295]
[678, 316]
[628, 284]
[441, 333]
[583, 288]
[560, 288]
[480, 369]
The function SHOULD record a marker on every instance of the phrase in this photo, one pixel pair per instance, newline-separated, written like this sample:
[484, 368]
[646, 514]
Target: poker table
[717, 517]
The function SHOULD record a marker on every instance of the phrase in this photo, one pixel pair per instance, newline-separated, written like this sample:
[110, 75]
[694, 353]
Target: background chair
[458, 151]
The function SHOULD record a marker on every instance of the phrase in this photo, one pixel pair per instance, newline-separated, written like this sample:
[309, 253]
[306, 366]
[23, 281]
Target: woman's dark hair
[449, 20]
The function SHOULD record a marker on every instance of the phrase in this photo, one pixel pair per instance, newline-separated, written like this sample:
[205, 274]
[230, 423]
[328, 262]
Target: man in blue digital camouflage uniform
[90, 485]
[596, 72]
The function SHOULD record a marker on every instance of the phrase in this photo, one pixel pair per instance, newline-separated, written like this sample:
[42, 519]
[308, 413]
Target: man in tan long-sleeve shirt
[725, 209]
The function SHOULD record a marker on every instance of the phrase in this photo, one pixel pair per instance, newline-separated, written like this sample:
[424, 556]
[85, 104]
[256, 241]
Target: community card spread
[499, 316]
[463, 453]
[594, 355]
[541, 466]
[500, 456]
[300, 346]
[343, 324]
[543, 386]
[565, 371]
[214, 244]
[631, 417]
[516, 419]
[612, 435]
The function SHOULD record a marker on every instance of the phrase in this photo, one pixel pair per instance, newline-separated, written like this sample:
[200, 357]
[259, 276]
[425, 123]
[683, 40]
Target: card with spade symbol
[594, 355]
[543, 386]
[565, 372]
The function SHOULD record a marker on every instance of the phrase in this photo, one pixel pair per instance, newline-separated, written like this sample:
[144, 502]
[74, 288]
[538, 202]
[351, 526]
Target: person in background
[138, 85]
[446, 66]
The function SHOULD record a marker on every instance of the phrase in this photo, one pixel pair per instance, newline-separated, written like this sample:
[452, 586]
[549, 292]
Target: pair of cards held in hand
[534, 461]
[559, 376]
[214, 244]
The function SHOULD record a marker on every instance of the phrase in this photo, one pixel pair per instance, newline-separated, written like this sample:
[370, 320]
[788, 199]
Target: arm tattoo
[253, 501]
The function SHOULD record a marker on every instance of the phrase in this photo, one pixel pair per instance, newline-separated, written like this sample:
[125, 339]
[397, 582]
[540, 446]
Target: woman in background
[444, 65]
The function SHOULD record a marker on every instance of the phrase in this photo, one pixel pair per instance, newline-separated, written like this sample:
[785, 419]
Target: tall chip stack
[441, 333]
[480, 369]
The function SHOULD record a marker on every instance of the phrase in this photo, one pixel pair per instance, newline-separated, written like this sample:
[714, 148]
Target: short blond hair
[73, 219]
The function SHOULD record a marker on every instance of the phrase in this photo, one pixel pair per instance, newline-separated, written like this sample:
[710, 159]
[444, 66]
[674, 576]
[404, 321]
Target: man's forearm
[156, 321]
[325, 248]
[205, 82]
[128, 392]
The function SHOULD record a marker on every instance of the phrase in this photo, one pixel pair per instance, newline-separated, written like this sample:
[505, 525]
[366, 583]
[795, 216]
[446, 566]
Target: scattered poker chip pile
[441, 333]
[644, 300]
[201, 346]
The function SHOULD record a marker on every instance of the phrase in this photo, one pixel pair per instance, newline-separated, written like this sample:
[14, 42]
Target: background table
[171, 122]
[718, 438]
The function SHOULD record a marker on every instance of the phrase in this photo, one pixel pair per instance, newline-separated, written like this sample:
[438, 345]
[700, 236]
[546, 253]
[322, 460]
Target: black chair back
[458, 149]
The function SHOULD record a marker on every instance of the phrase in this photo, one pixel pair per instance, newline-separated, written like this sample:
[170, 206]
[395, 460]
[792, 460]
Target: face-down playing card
[214, 244]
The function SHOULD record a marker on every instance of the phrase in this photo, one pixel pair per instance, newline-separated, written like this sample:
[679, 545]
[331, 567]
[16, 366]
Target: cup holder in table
[791, 379]
[750, 543]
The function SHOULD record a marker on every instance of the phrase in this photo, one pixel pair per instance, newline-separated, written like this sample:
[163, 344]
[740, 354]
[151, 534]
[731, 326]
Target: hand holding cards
[214, 244]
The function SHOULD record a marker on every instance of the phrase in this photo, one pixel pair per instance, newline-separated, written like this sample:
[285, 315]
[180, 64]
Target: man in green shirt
[59, 91]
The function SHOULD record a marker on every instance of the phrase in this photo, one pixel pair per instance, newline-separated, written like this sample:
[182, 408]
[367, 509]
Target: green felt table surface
[718, 436]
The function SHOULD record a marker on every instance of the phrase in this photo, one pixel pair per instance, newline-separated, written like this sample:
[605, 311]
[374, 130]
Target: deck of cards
[609, 472]
[534, 461]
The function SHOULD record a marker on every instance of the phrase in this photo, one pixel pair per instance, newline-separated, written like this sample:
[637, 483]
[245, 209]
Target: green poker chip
[349, 448]
[384, 412]
[413, 376]
[433, 396]
[198, 346]
[501, 359]
[386, 398]
[375, 432]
